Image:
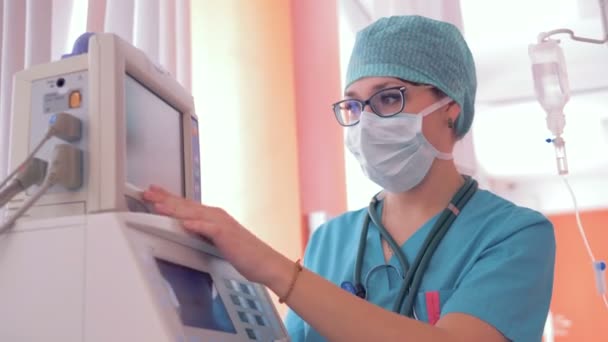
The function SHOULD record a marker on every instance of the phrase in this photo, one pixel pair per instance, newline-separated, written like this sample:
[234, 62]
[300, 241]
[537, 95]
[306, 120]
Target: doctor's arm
[333, 312]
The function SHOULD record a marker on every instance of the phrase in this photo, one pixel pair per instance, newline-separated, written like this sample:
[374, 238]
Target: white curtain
[360, 13]
[35, 31]
[12, 60]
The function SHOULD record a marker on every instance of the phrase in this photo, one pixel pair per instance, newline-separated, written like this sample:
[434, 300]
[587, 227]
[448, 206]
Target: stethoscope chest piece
[357, 289]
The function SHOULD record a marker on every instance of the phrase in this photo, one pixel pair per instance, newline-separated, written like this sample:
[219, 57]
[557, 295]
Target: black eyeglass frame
[336, 106]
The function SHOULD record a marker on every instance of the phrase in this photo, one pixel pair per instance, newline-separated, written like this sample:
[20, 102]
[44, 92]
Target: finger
[164, 200]
[186, 209]
[155, 194]
[157, 188]
[202, 227]
[166, 203]
[183, 210]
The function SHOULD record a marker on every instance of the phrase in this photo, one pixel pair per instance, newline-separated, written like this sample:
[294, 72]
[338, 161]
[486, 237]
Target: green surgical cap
[420, 50]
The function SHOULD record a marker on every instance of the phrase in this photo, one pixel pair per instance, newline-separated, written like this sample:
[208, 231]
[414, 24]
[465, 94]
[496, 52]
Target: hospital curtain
[160, 28]
[25, 40]
[39, 31]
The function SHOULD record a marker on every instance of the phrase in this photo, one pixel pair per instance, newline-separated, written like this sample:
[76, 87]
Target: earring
[450, 123]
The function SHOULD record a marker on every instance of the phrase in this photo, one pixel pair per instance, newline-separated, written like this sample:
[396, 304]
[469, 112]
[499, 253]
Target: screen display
[200, 305]
[154, 140]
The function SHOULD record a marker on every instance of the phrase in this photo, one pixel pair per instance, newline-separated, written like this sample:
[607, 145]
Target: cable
[66, 170]
[63, 126]
[34, 173]
[27, 205]
[46, 137]
[8, 192]
[598, 266]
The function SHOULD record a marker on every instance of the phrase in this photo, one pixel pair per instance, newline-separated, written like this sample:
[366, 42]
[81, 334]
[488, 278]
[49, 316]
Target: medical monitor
[139, 127]
[154, 144]
[118, 275]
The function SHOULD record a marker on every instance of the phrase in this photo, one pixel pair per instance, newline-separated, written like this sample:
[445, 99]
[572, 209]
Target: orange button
[75, 99]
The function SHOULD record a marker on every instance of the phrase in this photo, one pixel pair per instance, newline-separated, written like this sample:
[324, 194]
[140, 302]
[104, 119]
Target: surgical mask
[392, 151]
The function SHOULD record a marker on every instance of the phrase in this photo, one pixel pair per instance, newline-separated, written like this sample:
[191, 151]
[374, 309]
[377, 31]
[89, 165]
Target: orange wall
[264, 75]
[243, 89]
[317, 85]
[575, 297]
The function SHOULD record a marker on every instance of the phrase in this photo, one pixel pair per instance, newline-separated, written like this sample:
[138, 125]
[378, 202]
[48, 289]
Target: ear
[453, 110]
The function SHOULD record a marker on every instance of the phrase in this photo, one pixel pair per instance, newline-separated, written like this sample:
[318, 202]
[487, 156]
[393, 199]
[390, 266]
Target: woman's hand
[253, 258]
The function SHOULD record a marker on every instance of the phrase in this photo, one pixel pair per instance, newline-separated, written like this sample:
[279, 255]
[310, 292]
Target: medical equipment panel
[139, 128]
[38, 98]
[109, 123]
[200, 295]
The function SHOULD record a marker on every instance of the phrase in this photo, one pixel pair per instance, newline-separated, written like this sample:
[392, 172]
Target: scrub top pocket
[429, 304]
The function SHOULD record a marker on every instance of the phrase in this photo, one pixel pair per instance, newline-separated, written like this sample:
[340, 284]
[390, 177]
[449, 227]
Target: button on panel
[236, 300]
[75, 99]
[252, 304]
[260, 320]
[251, 334]
[243, 316]
[245, 289]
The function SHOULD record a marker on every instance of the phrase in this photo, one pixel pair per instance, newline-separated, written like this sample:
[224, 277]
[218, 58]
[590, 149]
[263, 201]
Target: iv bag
[550, 81]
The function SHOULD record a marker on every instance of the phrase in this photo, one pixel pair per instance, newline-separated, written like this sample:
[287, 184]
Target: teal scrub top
[495, 263]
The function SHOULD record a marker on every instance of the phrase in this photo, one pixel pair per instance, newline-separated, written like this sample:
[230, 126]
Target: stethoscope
[412, 276]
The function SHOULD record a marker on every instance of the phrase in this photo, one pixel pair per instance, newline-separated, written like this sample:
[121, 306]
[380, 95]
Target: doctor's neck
[433, 194]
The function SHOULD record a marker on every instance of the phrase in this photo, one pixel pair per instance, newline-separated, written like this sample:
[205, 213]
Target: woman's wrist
[280, 276]
[297, 268]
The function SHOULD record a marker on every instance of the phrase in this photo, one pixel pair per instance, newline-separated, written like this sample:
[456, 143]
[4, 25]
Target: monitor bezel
[110, 60]
[182, 176]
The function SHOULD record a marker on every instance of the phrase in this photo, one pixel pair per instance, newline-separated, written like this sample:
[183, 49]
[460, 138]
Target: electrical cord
[8, 192]
[63, 126]
[27, 205]
[65, 170]
[34, 173]
[46, 137]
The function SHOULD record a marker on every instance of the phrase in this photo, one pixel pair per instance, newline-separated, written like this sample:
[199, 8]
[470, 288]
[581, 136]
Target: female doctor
[432, 258]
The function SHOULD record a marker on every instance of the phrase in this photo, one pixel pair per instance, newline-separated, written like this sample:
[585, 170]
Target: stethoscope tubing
[413, 278]
[429, 247]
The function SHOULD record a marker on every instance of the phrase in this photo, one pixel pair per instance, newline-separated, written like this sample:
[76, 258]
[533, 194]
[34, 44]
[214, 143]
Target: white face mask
[392, 151]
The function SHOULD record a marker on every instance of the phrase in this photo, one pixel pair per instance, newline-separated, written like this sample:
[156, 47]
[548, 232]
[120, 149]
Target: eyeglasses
[384, 103]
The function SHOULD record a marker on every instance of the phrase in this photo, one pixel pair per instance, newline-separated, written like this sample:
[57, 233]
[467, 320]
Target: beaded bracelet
[297, 271]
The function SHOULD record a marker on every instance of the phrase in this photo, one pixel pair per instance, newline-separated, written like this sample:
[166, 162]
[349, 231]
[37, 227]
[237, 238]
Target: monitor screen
[200, 305]
[154, 140]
